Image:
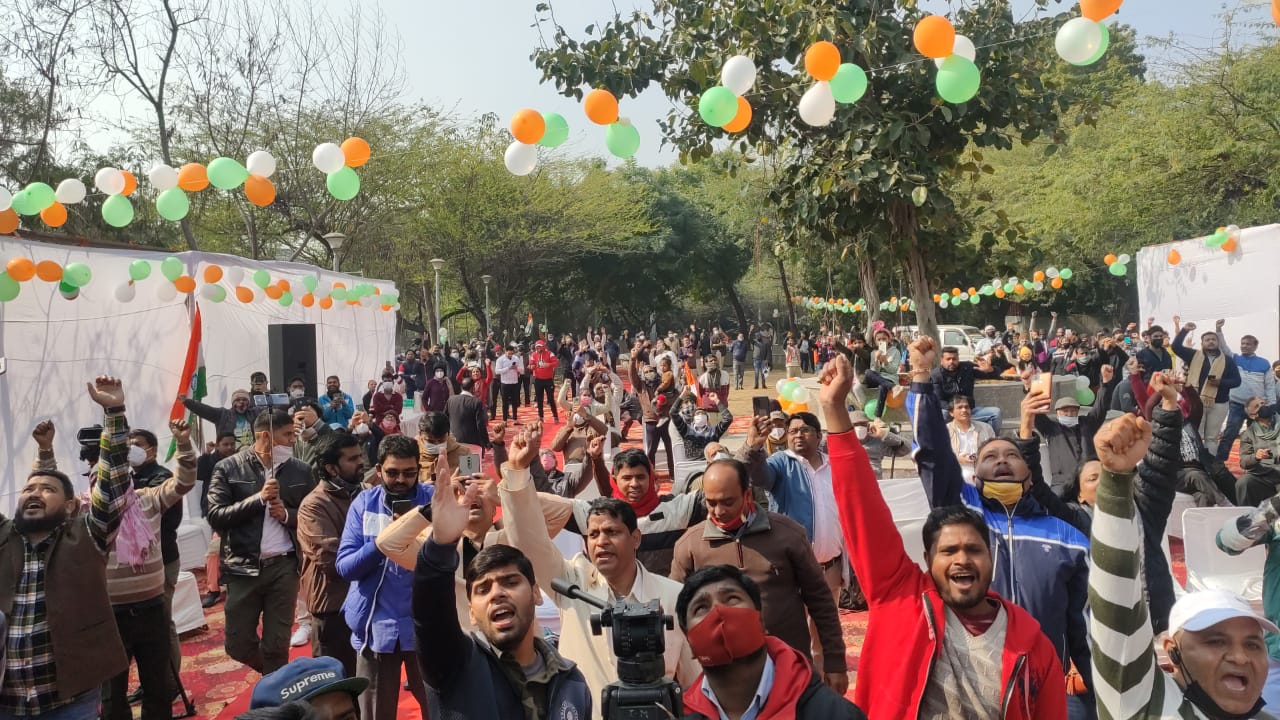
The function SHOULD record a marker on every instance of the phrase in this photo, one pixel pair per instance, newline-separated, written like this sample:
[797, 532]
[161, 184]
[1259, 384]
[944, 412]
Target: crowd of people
[372, 527]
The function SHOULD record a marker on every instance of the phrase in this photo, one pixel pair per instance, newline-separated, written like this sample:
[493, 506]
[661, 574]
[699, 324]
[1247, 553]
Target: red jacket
[544, 364]
[481, 389]
[904, 630]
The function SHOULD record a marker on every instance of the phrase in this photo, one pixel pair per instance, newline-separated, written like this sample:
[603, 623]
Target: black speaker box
[293, 354]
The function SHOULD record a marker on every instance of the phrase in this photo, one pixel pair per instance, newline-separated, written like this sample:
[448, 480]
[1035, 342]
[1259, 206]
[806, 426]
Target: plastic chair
[1208, 567]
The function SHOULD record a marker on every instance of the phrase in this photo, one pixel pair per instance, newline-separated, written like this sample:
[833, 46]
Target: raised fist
[1122, 442]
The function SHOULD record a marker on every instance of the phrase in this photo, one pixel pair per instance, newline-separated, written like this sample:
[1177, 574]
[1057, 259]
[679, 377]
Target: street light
[437, 263]
[335, 240]
[486, 279]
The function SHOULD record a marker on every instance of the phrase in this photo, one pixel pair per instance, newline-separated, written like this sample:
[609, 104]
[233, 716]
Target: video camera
[642, 691]
[90, 440]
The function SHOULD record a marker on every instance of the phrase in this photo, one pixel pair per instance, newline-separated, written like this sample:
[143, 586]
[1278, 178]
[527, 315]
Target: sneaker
[301, 636]
[210, 599]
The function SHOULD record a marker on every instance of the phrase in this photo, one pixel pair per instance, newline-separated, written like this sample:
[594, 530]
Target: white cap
[1201, 610]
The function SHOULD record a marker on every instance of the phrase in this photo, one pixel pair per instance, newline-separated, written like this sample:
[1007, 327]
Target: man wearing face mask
[1040, 560]
[338, 407]
[738, 352]
[297, 392]
[147, 473]
[771, 550]
[237, 419]
[435, 441]
[572, 439]
[715, 381]
[309, 422]
[435, 395]
[693, 425]
[543, 362]
[747, 673]
[377, 607]
[253, 505]
[1155, 357]
[386, 400]
[878, 441]
[645, 382]
[466, 415]
[509, 368]
[1070, 435]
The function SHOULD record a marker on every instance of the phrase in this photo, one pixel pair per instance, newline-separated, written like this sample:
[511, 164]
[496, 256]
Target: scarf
[134, 539]
[1208, 388]
[645, 504]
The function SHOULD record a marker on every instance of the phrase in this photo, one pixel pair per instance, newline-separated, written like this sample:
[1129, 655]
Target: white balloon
[1078, 40]
[738, 74]
[1082, 382]
[209, 291]
[963, 47]
[70, 191]
[1037, 285]
[234, 276]
[166, 292]
[964, 296]
[261, 162]
[328, 158]
[126, 292]
[818, 105]
[520, 159]
[109, 180]
[6, 199]
[162, 177]
[1051, 272]
[1233, 232]
[1124, 259]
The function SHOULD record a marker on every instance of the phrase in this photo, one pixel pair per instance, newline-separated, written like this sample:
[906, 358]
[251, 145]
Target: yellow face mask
[1006, 493]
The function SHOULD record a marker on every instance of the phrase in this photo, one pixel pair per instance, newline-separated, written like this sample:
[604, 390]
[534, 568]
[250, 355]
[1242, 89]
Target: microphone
[573, 591]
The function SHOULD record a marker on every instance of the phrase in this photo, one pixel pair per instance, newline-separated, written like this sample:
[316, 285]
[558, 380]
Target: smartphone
[1043, 382]
[760, 406]
[279, 399]
[469, 464]
[402, 507]
[884, 346]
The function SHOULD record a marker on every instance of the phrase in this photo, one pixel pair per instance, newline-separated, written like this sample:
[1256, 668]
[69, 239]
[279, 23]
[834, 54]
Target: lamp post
[486, 279]
[437, 263]
[335, 240]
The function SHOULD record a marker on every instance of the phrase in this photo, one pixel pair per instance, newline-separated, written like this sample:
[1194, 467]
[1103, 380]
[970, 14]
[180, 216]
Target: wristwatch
[117, 410]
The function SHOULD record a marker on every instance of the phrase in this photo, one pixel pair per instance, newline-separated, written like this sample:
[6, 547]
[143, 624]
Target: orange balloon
[55, 215]
[212, 274]
[185, 284]
[274, 292]
[340, 284]
[935, 37]
[284, 285]
[385, 308]
[528, 126]
[1275, 11]
[804, 407]
[1000, 292]
[260, 191]
[356, 150]
[1230, 245]
[822, 60]
[937, 297]
[955, 292]
[1097, 10]
[1057, 283]
[1019, 288]
[1038, 276]
[1175, 257]
[21, 269]
[49, 271]
[1110, 259]
[130, 183]
[973, 291]
[244, 294]
[326, 302]
[307, 300]
[192, 177]
[601, 107]
[742, 119]
[785, 405]
[8, 221]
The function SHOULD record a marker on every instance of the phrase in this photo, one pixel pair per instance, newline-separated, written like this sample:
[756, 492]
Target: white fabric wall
[53, 346]
[1242, 287]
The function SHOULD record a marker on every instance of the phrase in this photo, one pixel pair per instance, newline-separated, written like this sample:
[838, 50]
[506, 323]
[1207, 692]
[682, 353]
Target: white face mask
[439, 374]
[579, 421]
[721, 456]
[280, 454]
[777, 434]
[434, 448]
[137, 456]
[860, 431]
[1068, 420]
[386, 388]
[362, 429]
[699, 421]
[297, 393]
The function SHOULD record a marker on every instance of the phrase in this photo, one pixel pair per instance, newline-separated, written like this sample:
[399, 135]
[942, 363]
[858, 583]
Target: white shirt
[757, 703]
[509, 368]
[828, 540]
[275, 536]
[966, 444]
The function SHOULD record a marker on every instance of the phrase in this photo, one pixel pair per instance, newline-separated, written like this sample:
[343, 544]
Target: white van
[961, 337]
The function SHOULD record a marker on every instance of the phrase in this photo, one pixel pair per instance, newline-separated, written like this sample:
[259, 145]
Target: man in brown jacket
[338, 466]
[773, 551]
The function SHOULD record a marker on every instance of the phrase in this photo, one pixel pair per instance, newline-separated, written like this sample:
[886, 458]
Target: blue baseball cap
[303, 679]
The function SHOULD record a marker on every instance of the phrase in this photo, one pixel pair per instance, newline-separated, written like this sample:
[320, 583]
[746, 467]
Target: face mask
[1157, 344]
[579, 421]
[1006, 493]
[362, 429]
[386, 388]
[137, 456]
[434, 448]
[1198, 697]
[860, 431]
[297, 394]
[280, 454]
[439, 374]
[700, 421]
[721, 456]
[777, 434]
[711, 367]
[1069, 421]
[726, 634]
[548, 463]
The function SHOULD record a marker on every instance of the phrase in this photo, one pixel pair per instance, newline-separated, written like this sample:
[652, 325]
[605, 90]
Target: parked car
[961, 337]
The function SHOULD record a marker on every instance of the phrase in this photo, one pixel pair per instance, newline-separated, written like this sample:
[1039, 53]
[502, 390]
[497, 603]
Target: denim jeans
[1235, 420]
[761, 374]
[989, 415]
[84, 707]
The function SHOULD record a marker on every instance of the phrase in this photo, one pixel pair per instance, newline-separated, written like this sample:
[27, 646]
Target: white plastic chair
[193, 543]
[1208, 567]
[1182, 502]
[909, 506]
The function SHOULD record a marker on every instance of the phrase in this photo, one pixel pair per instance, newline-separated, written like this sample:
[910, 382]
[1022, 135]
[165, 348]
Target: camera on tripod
[90, 440]
[642, 691]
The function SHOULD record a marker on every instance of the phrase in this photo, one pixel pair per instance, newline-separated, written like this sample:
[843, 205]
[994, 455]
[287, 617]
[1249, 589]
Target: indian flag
[193, 379]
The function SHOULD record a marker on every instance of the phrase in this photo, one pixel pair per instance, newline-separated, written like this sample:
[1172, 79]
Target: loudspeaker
[293, 354]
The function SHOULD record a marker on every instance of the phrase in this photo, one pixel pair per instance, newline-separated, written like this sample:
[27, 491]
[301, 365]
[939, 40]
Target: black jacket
[151, 475]
[1068, 447]
[947, 385]
[467, 420]
[237, 514]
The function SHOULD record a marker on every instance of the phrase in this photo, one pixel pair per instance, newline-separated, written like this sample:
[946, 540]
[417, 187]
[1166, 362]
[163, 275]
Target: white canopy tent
[1241, 287]
[52, 346]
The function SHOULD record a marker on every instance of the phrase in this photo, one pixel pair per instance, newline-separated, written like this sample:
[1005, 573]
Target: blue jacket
[342, 416]
[786, 478]
[1038, 559]
[378, 605]
[465, 677]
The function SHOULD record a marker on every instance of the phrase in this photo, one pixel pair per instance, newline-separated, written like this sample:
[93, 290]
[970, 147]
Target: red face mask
[748, 507]
[726, 634]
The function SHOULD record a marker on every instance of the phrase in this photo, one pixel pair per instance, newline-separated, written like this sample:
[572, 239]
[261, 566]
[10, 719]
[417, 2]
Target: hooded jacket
[906, 624]
[797, 692]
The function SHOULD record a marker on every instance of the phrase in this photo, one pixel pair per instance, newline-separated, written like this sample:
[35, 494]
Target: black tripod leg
[189, 707]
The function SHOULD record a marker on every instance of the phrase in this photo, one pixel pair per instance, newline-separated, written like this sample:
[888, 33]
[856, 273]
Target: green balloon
[41, 195]
[219, 293]
[286, 299]
[9, 288]
[261, 278]
[622, 139]
[344, 184]
[172, 204]
[139, 270]
[1085, 396]
[171, 268]
[718, 106]
[226, 174]
[339, 294]
[974, 299]
[309, 282]
[557, 130]
[67, 290]
[1008, 288]
[1118, 270]
[849, 84]
[24, 204]
[390, 298]
[1065, 273]
[117, 211]
[1102, 48]
[76, 274]
[1217, 239]
[958, 79]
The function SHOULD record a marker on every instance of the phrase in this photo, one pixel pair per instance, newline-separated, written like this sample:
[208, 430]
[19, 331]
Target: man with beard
[62, 643]
[237, 419]
[939, 644]
[1154, 357]
[338, 466]
[377, 608]
[1213, 373]
[503, 670]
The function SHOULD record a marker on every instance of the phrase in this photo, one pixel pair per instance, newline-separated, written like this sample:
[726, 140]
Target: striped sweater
[1127, 680]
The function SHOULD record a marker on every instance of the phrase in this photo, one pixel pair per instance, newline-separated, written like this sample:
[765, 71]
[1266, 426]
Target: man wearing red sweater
[939, 644]
[544, 363]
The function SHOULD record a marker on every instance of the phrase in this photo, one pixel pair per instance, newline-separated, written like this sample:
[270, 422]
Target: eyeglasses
[802, 430]
[393, 474]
